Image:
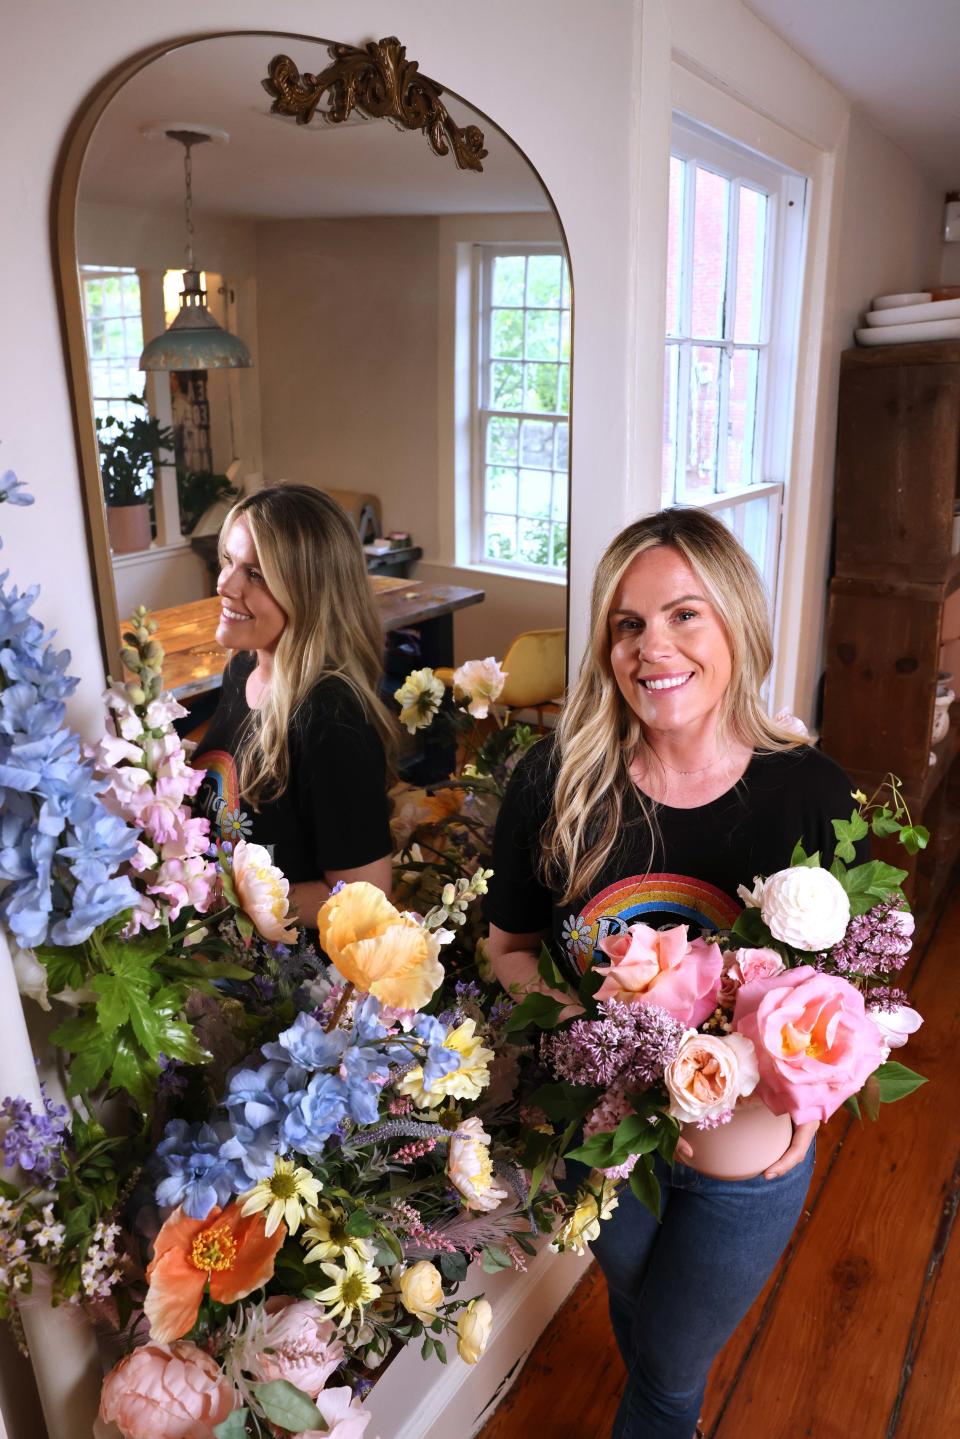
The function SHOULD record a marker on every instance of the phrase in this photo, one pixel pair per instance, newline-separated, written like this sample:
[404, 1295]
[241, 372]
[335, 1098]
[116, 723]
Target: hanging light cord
[188, 201]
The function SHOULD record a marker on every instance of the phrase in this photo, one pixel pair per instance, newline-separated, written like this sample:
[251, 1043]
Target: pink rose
[344, 1416]
[662, 966]
[297, 1343]
[745, 966]
[167, 1391]
[815, 1043]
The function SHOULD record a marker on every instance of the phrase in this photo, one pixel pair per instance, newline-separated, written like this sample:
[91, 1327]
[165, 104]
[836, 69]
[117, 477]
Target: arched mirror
[402, 318]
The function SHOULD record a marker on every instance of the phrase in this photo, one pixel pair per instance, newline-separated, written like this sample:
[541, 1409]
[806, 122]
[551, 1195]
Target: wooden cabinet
[898, 463]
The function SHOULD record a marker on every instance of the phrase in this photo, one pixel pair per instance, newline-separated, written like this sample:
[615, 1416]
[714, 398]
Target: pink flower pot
[128, 527]
[753, 1140]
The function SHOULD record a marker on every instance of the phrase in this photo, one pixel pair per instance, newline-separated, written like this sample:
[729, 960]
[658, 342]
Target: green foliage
[197, 491]
[284, 1404]
[130, 452]
[895, 1081]
[536, 1009]
[645, 1185]
[234, 1426]
[867, 884]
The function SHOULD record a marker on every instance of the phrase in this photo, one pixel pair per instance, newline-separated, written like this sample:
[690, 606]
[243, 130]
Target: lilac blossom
[876, 943]
[34, 1141]
[631, 1043]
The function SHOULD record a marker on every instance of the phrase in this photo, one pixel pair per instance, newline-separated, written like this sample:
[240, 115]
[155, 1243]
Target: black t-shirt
[334, 813]
[700, 858]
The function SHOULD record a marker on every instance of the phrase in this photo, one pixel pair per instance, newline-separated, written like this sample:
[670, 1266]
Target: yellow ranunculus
[421, 1290]
[378, 949]
[473, 1330]
[467, 1082]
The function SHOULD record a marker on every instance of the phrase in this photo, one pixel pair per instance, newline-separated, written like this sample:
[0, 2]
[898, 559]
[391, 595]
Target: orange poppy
[232, 1252]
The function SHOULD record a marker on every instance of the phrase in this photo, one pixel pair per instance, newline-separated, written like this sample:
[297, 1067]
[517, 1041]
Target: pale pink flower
[895, 1026]
[470, 1169]
[167, 1391]
[345, 1417]
[815, 1043]
[746, 965]
[296, 1342]
[192, 838]
[709, 1074]
[480, 682]
[164, 711]
[791, 722]
[184, 881]
[262, 890]
[664, 967]
[143, 858]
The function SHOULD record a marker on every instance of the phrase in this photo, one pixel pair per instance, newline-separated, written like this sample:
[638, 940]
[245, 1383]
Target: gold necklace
[688, 772]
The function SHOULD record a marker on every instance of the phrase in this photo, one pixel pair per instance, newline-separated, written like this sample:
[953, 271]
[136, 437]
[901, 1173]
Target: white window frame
[778, 343]
[119, 405]
[484, 253]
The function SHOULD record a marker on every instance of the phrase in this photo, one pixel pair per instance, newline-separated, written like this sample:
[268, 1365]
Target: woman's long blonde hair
[599, 736]
[313, 565]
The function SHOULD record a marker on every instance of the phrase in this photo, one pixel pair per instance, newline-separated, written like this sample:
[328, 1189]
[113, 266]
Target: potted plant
[197, 491]
[129, 454]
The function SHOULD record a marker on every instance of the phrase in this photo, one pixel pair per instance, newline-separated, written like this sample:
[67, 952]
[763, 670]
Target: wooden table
[194, 662]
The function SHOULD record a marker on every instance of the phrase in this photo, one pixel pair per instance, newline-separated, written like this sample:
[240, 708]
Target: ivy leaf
[646, 1186]
[801, 860]
[234, 1426]
[751, 929]
[79, 1032]
[65, 968]
[284, 1404]
[549, 972]
[538, 1009]
[914, 837]
[883, 824]
[868, 883]
[895, 1081]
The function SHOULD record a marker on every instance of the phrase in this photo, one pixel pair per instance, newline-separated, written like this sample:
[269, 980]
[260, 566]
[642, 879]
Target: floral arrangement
[796, 1007]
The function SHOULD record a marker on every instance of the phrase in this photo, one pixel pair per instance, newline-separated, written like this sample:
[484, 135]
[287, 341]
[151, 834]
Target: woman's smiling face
[668, 647]
[250, 618]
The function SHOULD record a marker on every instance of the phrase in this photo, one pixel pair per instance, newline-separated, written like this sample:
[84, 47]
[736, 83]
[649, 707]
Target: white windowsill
[506, 573]
[150, 556]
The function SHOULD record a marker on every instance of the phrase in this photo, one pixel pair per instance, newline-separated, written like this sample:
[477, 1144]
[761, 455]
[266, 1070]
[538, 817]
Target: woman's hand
[513, 958]
[799, 1144]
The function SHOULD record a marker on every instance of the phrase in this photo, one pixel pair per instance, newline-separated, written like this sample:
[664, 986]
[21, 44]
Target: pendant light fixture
[194, 340]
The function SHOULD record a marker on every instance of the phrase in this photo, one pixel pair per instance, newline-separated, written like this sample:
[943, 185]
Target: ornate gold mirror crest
[381, 82]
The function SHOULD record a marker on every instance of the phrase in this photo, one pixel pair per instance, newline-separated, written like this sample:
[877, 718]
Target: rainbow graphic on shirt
[220, 793]
[646, 899]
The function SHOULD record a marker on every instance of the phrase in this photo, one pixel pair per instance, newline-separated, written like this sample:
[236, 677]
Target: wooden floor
[857, 1334]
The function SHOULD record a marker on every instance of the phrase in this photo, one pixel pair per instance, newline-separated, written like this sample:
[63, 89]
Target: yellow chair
[536, 669]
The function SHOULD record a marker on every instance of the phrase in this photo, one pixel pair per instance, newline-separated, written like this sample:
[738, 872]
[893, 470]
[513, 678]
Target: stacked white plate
[905, 319]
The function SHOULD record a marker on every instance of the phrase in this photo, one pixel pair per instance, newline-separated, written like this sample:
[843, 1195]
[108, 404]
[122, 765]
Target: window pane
[563, 446]
[709, 254]
[94, 296]
[563, 401]
[751, 239]
[500, 540]
[541, 387]
[501, 491]
[544, 279]
[111, 295]
[565, 335]
[701, 466]
[502, 439]
[671, 400]
[506, 386]
[749, 523]
[543, 335]
[533, 542]
[536, 444]
[534, 494]
[558, 510]
[560, 546]
[506, 334]
[741, 419]
[674, 242]
[130, 290]
[508, 276]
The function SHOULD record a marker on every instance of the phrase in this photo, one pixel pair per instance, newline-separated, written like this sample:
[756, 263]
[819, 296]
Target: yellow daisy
[325, 1236]
[283, 1195]
[353, 1287]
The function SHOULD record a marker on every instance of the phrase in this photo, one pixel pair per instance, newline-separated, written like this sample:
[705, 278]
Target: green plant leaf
[633, 1135]
[801, 860]
[234, 1426]
[537, 1009]
[751, 929]
[178, 1041]
[549, 972]
[853, 1104]
[914, 837]
[360, 1224]
[493, 1259]
[646, 1186]
[883, 824]
[597, 1151]
[869, 1097]
[563, 1100]
[895, 1081]
[90, 1065]
[284, 1404]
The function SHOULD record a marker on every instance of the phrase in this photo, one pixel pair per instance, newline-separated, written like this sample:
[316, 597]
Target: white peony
[805, 907]
[895, 1026]
[480, 682]
[709, 1074]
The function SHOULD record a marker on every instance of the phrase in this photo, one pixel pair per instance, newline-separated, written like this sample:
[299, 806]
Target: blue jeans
[678, 1289]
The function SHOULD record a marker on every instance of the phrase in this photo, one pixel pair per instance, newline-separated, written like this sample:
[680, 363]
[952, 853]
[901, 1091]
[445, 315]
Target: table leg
[436, 641]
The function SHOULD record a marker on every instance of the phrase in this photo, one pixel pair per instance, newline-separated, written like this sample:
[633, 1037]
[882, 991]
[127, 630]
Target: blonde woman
[298, 750]
[665, 788]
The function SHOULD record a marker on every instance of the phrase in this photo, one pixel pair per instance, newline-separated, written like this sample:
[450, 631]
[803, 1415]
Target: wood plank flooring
[857, 1333]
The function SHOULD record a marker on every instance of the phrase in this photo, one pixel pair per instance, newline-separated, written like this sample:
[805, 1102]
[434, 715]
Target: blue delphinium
[197, 1174]
[34, 1141]
[59, 847]
[439, 1061]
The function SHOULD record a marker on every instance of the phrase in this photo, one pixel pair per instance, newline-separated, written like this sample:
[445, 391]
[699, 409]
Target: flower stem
[341, 1006]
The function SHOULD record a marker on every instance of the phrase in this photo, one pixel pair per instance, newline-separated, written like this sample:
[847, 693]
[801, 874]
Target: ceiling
[274, 168]
[896, 59]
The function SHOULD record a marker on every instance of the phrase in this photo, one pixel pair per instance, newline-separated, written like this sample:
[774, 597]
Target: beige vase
[754, 1139]
[128, 527]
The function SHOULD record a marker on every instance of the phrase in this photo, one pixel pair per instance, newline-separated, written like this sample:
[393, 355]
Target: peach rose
[662, 966]
[378, 949]
[746, 965]
[262, 890]
[815, 1043]
[167, 1391]
[296, 1342]
[709, 1074]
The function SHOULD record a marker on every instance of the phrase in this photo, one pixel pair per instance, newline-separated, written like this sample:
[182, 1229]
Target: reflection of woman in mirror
[298, 749]
[664, 789]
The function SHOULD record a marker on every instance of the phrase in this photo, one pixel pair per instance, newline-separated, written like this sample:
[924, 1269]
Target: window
[111, 315]
[735, 248]
[521, 434]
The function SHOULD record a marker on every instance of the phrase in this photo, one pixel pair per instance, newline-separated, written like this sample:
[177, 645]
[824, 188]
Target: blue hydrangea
[196, 1172]
[439, 1060]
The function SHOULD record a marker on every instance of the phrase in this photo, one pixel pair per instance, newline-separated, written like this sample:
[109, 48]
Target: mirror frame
[65, 193]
